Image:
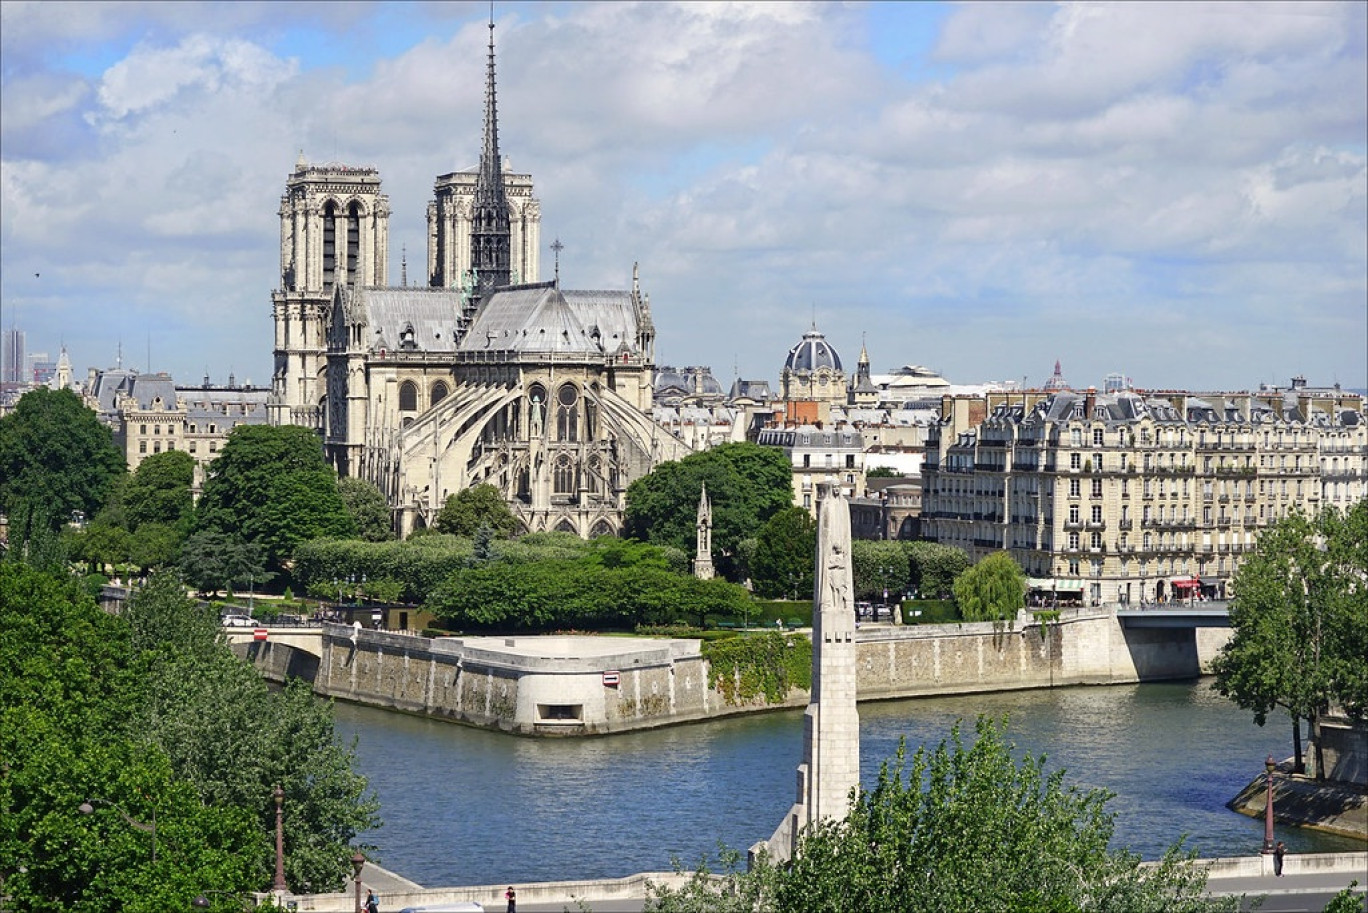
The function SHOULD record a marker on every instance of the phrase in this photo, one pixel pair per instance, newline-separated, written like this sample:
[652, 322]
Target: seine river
[466, 806]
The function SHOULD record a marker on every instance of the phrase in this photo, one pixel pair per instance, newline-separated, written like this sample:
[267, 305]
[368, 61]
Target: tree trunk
[1319, 755]
[1298, 765]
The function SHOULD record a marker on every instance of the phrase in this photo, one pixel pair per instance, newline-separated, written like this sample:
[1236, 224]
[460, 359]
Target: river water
[467, 806]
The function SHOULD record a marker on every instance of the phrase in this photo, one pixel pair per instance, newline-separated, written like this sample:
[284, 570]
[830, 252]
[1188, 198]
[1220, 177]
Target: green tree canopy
[879, 567]
[747, 484]
[480, 505]
[271, 487]
[368, 509]
[211, 561]
[960, 828]
[1298, 620]
[992, 590]
[933, 567]
[55, 459]
[73, 679]
[785, 555]
[159, 491]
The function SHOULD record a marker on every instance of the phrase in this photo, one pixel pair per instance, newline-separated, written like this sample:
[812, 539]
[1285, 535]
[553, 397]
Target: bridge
[1175, 615]
[305, 639]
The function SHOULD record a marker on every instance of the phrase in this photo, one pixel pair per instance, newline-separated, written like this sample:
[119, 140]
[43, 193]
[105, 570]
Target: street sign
[259, 634]
[612, 679]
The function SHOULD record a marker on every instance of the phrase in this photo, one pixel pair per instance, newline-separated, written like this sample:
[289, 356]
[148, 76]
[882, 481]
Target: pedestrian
[1279, 852]
[372, 902]
[512, 897]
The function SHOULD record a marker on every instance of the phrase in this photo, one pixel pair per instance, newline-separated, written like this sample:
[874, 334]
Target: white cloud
[1118, 185]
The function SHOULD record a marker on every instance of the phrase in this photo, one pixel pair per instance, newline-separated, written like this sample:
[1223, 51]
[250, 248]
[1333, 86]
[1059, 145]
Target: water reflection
[464, 806]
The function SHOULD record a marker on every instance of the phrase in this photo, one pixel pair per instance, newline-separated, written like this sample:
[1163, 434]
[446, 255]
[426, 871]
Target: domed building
[812, 380]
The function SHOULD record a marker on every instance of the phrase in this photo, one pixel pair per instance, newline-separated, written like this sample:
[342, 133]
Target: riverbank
[1238, 875]
[598, 685]
[1328, 806]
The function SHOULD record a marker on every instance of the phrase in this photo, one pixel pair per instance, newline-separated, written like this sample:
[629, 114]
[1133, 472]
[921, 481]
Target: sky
[1177, 192]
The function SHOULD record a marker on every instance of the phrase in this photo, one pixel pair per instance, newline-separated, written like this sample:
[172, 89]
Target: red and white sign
[612, 679]
[259, 634]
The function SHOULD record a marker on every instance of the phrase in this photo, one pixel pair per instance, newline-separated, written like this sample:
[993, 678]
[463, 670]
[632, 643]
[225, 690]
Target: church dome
[812, 353]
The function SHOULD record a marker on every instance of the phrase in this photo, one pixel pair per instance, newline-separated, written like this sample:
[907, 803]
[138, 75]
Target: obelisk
[831, 724]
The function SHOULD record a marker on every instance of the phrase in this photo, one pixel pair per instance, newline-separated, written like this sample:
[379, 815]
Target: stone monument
[831, 724]
[702, 563]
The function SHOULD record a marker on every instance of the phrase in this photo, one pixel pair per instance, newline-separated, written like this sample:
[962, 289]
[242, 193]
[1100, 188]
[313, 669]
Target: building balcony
[1073, 524]
[1126, 524]
[1095, 525]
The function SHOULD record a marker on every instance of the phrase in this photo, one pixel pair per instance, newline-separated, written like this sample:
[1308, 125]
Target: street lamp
[88, 808]
[357, 862]
[279, 884]
[1270, 765]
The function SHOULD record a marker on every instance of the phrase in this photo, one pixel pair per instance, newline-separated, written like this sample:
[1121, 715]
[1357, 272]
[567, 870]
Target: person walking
[512, 897]
[372, 902]
[1279, 852]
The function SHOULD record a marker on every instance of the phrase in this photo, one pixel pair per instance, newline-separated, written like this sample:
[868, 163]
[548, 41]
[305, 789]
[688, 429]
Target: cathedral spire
[490, 237]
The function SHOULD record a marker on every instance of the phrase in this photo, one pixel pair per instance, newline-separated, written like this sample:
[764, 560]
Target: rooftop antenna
[556, 246]
[118, 358]
[403, 266]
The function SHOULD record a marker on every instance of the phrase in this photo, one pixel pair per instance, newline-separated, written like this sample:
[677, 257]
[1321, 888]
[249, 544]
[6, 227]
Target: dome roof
[811, 353]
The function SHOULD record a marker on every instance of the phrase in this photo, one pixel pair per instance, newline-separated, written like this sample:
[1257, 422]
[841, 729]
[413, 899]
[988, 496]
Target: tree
[55, 459]
[1298, 618]
[883, 472]
[368, 508]
[879, 567]
[934, 567]
[72, 682]
[992, 590]
[159, 491]
[784, 557]
[271, 487]
[211, 561]
[964, 828]
[747, 484]
[480, 505]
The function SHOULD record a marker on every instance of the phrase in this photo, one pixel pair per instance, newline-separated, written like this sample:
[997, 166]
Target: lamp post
[88, 808]
[279, 884]
[1270, 765]
[357, 862]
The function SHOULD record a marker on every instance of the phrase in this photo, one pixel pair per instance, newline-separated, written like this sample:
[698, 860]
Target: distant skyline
[1176, 192]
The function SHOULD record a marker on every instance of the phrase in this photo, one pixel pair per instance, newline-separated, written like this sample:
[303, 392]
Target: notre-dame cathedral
[484, 374]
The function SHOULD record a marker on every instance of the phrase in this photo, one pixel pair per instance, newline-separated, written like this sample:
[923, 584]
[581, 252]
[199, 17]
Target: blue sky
[1175, 191]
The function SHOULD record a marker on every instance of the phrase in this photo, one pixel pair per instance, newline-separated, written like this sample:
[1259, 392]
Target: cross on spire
[557, 246]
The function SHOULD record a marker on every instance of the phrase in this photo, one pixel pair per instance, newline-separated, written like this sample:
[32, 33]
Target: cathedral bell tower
[334, 230]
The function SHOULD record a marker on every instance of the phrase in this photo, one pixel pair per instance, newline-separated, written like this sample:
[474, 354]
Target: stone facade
[1138, 498]
[484, 376]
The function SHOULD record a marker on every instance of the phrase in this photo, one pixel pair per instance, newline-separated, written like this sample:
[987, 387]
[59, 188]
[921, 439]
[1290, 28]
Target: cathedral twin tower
[484, 231]
[482, 375]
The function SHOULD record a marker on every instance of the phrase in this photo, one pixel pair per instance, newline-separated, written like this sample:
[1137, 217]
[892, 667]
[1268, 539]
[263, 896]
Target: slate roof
[412, 318]
[541, 318]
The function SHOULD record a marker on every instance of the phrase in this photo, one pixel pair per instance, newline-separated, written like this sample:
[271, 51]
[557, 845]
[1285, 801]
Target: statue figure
[535, 417]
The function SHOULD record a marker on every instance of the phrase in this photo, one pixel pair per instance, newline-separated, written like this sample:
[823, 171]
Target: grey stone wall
[448, 679]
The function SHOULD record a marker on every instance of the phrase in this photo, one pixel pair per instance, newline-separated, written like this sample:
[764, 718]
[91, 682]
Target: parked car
[236, 620]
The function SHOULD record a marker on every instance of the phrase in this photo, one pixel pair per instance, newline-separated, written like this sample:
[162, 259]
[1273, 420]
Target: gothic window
[567, 413]
[408, 396]
[563, 476]
[353, 241]
[329, 243]
[439, 392]
[590, 420]
[593, 479]
[601, 528]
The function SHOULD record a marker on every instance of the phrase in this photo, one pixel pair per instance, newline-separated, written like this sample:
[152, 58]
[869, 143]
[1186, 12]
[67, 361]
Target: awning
[1185, 582]
[1211, 581]
[1051, 585]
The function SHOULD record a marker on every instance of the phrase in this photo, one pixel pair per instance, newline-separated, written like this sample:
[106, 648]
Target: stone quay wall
[545, 692]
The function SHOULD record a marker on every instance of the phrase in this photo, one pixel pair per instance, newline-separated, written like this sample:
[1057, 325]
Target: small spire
[557, 246]
[403, 266]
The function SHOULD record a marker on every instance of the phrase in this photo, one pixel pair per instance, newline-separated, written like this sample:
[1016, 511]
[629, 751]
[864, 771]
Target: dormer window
[408, 339]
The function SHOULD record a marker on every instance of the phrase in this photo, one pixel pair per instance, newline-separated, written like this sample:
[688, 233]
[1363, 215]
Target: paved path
[1291, 893]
